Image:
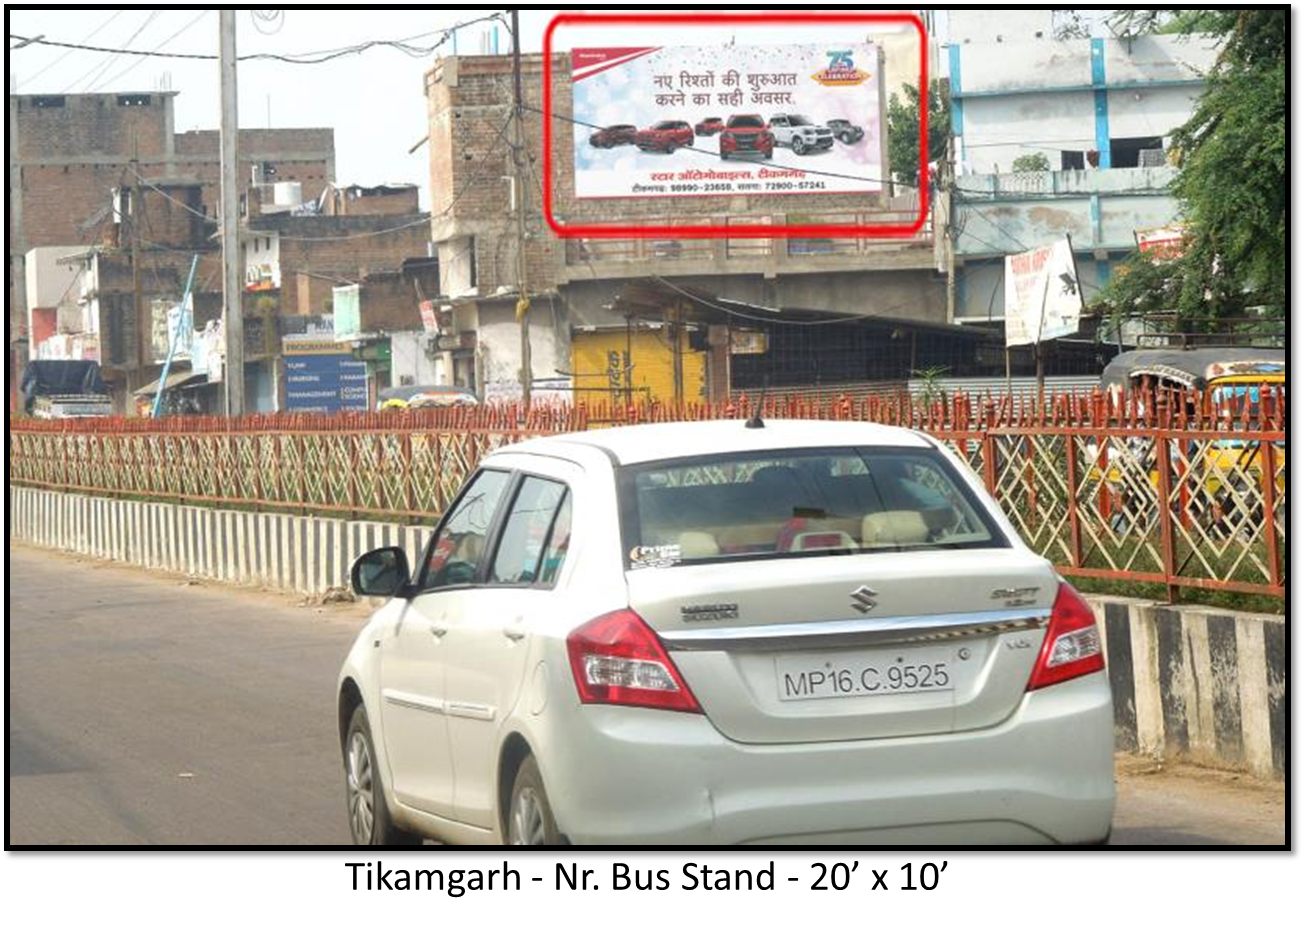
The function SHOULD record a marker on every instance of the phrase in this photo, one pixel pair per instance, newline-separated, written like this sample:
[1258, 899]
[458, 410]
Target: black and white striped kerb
[1194, 682]
[281, 551]
[1197, 683]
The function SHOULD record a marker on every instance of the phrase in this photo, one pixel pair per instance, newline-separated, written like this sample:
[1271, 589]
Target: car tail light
[1072, 646]
[617, 659]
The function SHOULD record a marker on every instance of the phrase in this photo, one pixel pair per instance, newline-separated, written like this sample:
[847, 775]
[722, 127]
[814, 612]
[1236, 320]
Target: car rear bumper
[1045, 775]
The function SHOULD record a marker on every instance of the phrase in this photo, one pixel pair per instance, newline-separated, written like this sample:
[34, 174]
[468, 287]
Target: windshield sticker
[666, 554]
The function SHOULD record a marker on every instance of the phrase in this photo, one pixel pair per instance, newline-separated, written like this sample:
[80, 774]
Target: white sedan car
[718, 633]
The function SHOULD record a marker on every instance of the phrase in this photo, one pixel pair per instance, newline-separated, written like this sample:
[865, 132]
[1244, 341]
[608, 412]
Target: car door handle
[438, 630]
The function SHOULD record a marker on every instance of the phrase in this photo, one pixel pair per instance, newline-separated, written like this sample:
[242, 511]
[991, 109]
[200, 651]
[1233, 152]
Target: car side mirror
[382, 573]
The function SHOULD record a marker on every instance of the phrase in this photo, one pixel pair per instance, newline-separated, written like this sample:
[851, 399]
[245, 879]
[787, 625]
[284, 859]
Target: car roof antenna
[755, 421]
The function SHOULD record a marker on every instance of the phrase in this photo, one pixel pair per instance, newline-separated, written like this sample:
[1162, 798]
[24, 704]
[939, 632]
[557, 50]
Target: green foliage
[1232, 179]
[930, 385]
[903, 129]
[1027, 163]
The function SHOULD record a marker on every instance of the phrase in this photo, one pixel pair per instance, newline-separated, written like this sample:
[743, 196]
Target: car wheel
[529, 817]
[724, 155]
[369, 821]
[798, 146]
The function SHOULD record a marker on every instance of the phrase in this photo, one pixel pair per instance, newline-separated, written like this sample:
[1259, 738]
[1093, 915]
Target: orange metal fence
[1165, 487]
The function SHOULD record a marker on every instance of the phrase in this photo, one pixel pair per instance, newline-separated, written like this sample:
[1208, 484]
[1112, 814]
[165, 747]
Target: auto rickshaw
[1240, 383]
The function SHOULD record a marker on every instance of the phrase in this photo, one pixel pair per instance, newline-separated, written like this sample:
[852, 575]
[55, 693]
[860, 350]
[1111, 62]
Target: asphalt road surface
[147, 711]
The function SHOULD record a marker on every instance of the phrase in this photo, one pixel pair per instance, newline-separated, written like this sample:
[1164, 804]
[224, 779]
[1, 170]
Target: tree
[1231, 183]
[1027, 163]
[903, 129]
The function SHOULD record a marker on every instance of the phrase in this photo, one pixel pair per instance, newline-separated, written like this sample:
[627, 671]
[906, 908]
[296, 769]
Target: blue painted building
[1101, 111]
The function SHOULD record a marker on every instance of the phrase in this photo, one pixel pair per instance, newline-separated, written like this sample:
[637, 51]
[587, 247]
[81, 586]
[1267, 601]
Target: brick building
[69, 153]
[578, 320]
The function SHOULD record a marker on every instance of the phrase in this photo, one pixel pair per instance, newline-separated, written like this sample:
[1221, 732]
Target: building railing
[1169, 489]
[901, 211]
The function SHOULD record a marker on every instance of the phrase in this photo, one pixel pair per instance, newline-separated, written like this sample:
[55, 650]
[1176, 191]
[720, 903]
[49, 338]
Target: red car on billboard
[665, 136]
[711, 125]
[614, 135]
[744, 135]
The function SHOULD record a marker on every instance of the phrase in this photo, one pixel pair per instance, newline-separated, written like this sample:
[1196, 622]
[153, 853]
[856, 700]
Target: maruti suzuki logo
[863, 599]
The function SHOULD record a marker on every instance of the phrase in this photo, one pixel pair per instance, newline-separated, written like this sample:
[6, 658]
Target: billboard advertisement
[322, 376]
[726, 120]
[1042, 297]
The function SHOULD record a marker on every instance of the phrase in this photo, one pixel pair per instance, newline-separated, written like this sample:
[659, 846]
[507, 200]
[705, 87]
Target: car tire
[769, 155]
[370, 823]
[798, 146]
[724, 155]
[529, 815]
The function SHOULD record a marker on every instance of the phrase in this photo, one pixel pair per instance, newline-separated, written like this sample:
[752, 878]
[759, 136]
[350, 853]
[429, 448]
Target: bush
[1026, 163]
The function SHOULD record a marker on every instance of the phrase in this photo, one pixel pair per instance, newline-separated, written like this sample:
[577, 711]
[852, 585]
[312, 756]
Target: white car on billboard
[800, 134]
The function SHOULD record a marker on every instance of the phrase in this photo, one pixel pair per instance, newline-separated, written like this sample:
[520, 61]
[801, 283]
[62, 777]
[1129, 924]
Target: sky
[373, 100]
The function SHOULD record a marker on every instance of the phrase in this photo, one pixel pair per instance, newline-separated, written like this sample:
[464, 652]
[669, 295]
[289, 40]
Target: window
[811, 502]
[526, 532]
[454, 553]
[1126, 152]
[47, 102]
[1073, 160]
[134, 99]
[558, 543]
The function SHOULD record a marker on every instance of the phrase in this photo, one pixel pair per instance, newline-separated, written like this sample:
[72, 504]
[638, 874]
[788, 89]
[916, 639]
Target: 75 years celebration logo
[841, 71]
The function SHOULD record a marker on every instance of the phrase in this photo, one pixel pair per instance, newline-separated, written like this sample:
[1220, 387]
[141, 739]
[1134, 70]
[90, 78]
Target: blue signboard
[324, 380]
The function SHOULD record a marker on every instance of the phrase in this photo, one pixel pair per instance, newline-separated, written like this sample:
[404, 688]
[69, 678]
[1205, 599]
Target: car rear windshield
[746, 122]
[784, 504]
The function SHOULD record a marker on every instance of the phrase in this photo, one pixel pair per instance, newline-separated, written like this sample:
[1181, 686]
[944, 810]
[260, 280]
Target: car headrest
[698, 544]
[885, 528]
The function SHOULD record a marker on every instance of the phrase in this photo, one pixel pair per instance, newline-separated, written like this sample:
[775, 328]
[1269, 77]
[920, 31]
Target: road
[147, 711]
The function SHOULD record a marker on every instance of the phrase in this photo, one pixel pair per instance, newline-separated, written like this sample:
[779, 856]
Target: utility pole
[518, 185]
[137, 303]
[232, 277]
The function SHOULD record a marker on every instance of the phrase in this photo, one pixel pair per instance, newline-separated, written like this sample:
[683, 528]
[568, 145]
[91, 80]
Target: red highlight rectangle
[741, 231]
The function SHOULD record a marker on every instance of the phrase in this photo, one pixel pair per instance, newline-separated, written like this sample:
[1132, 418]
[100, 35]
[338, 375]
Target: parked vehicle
[746, 135]
[667, 136]
[425, 397]
[1237, 381]
[65, 389]
[711, 125]
[800, 134]
[820, 632]
[613, 136]
[845, 131]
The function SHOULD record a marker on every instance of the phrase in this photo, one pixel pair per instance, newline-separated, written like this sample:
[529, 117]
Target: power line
[763, 320]
[90, 35]
[311, 57]
[139, 61]
[101, 65]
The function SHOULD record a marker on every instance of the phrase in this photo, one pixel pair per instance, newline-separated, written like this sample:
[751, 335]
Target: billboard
[726, 120]
[322, 376]
[1042, 296]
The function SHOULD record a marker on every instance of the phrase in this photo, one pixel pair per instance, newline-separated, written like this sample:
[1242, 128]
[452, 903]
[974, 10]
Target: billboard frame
[834, 230]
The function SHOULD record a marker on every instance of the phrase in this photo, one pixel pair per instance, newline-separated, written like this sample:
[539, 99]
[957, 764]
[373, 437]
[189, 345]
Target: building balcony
[1101, 210]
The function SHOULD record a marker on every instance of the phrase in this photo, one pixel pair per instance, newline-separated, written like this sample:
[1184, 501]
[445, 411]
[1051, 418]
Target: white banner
[722, 120]
[1042, 298]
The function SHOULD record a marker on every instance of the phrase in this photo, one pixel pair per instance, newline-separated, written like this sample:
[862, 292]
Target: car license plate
[864, 673]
